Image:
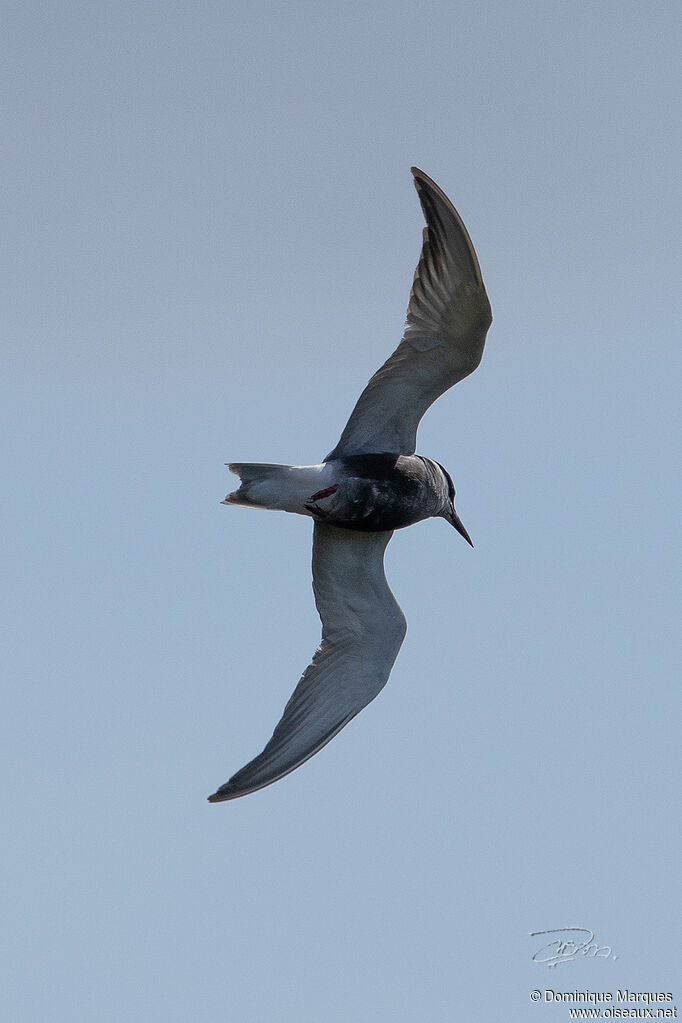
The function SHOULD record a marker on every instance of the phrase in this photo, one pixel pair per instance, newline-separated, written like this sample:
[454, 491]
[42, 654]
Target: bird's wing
[362, 631]
[447, 320]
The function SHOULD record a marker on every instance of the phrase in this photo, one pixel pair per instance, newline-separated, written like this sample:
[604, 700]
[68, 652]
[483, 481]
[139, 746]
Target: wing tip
[224, 793]
[421, 178]
[217, 797]
[428, 190]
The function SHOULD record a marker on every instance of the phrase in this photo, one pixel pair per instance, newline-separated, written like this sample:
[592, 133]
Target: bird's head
[448, 510]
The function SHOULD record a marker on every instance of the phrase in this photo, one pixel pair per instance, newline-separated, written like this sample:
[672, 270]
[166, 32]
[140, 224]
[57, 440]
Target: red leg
[327, 492]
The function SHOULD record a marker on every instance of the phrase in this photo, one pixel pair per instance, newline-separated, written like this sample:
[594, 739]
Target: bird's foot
[327, 492]
[313, 506]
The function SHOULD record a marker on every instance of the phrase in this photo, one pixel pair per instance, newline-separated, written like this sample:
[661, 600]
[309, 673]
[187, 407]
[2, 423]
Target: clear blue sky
[210, 233]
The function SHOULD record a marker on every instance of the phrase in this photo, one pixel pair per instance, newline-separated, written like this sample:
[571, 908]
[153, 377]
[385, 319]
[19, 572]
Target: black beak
[459, 526]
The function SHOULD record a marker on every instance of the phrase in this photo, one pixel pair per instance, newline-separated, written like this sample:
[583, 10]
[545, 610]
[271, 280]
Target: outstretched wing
[362, 631]
[448, 317]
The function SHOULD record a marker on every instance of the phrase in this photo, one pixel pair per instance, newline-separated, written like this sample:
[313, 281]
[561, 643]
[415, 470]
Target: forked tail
[279, 487]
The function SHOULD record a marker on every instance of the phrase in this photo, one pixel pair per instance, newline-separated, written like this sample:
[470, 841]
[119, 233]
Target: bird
[369, 485]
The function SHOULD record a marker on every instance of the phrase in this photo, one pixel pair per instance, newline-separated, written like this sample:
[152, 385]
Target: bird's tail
[279, 487]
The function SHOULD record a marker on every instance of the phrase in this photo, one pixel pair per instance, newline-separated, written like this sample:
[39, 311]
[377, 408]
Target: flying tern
[369, 485]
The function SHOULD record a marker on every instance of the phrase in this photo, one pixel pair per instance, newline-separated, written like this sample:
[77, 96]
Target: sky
[210, 235]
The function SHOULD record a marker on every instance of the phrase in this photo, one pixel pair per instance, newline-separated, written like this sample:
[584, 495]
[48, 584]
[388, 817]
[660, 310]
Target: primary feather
[448, 317]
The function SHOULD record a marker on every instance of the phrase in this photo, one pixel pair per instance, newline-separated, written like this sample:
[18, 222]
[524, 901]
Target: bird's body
[369, 485]
[373, 493]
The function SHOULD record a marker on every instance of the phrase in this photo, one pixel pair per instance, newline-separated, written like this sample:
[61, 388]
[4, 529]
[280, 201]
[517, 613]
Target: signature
[568, 944]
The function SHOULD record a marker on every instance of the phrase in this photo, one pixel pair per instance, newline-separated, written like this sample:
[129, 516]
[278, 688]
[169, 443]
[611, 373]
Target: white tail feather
[278, 487]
